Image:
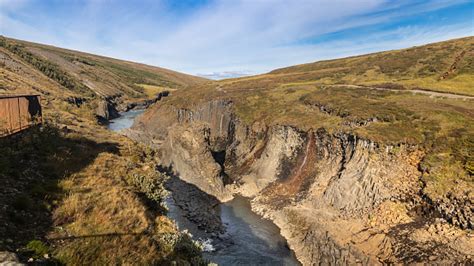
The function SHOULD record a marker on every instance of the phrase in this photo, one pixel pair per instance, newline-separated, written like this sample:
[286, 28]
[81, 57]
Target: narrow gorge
[230, 233]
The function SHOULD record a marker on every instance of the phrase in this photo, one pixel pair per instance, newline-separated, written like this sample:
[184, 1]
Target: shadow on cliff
[198, 206]
[32, 164]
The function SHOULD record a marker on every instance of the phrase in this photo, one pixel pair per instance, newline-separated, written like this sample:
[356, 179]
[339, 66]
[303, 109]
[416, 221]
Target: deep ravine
[247, 238]
[337, 198]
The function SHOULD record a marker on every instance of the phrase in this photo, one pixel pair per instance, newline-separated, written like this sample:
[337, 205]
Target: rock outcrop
[105, 111]
[9, 258]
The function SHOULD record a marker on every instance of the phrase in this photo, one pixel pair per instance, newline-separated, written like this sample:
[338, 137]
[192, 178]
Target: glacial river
[249, 239]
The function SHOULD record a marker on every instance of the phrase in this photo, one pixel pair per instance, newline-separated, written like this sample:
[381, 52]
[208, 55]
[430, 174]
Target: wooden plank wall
[15, 114]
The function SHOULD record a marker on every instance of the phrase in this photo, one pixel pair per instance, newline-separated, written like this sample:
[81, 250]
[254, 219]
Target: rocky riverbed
[231, 233]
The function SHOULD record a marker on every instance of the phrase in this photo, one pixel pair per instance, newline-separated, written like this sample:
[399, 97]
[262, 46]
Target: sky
[228, 38]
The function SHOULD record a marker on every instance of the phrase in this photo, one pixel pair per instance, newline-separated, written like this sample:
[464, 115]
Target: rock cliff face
[105, 111]
[336, 198]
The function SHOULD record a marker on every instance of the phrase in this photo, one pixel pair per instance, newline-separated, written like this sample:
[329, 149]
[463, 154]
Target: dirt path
[430, 93]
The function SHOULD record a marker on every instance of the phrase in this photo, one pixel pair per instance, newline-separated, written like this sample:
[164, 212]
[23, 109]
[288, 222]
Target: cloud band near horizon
[221, 39]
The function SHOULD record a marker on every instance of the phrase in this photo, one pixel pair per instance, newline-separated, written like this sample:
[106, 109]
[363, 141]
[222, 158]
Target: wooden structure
[18, 112]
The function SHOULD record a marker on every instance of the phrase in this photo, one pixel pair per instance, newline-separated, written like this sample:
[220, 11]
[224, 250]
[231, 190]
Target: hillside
[81, 78]
[72, 191]
[103, 76]
[380, 145]
[445, 66]
[360, 143]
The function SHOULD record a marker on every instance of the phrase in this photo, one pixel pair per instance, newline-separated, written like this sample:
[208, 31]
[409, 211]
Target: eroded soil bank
[337, 198]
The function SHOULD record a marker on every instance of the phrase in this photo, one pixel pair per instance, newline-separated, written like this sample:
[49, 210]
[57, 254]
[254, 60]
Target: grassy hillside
[82, 194]
[445, 66]
[72, 192]
[80, 73]
[321, 94]
[85, 196]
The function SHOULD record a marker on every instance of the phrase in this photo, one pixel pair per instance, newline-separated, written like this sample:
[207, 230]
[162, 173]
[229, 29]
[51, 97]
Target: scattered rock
[8, 257]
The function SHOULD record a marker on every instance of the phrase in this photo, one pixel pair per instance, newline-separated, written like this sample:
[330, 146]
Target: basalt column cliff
[371, 174]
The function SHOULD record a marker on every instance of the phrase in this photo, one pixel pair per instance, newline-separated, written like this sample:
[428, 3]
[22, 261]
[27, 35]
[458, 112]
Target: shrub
[38, 248]
[151, 185]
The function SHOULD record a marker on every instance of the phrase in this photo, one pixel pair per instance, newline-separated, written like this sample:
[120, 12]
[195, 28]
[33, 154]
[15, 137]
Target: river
[249, 239]
[125, 120]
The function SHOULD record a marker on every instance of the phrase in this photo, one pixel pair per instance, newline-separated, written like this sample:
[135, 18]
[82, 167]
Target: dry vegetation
[71, 190]
[445, 66]
[25, 65]
[83, 200]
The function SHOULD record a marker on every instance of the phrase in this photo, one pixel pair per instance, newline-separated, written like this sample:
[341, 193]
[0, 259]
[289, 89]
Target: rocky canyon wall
[336, 198]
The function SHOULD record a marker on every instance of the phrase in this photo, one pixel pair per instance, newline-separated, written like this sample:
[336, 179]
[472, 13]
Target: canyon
[361, 160]
[365, 173]
[337, 198]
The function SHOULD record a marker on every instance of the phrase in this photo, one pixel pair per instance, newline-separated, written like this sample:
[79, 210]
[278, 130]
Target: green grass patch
[38, 248]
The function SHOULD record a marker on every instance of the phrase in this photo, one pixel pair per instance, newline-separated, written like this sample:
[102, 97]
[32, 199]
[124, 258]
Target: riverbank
[232, 233]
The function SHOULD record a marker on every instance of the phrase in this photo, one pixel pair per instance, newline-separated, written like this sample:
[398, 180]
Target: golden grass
[105, 218]
[151, 91]
[104, 221]
[421, 66]
[460, 84]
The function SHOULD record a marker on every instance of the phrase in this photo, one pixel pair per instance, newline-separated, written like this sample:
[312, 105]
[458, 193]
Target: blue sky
[228, 38]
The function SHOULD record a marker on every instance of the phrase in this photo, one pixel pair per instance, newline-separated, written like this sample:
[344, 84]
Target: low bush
[38, 248]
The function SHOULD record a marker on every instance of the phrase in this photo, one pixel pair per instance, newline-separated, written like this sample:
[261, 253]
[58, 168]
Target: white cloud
[396, 39]
[226, 74]
[223, 38]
